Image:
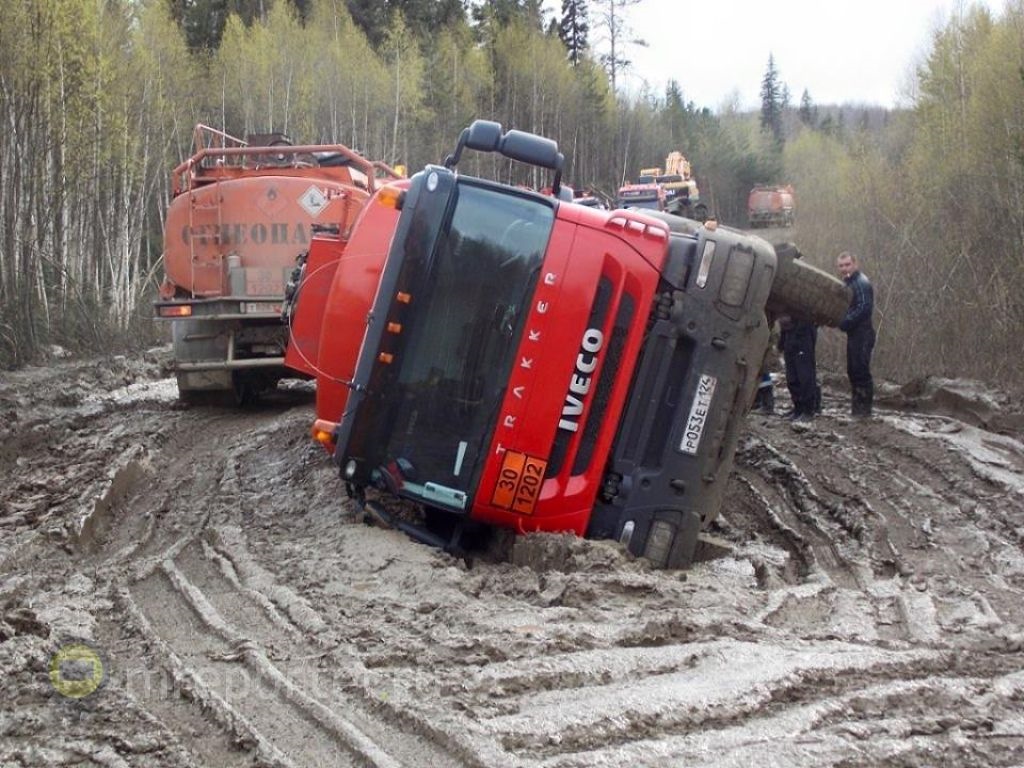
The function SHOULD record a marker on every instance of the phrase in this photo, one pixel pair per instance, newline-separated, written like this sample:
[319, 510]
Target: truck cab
[647, 195]
[543, 366]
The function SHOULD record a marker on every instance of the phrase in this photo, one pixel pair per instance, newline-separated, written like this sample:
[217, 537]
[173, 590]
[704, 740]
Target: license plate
[519, 483]
[693, 431]
[261, 308]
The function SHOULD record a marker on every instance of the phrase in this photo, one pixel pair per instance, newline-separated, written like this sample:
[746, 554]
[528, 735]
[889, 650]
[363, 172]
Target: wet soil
[188, 586]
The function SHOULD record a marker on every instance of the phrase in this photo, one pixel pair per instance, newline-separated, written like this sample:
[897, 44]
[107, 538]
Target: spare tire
[804, 291]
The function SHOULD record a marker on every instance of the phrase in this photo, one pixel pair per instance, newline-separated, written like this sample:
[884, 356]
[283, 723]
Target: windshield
[435, 418]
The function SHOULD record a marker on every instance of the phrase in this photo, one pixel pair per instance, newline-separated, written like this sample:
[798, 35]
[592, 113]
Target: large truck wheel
[804, 291]
[245, 387]
[672, 539]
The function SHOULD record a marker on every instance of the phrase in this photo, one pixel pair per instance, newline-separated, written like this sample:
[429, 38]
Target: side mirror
[487, 136]
[483, 136]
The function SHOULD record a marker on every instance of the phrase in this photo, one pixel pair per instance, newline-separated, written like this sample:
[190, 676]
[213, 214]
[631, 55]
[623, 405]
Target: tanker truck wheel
[244, 388]
[802, 290]
[672, 539]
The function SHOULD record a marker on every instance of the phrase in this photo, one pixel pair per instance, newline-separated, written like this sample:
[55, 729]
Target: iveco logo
[579, 385]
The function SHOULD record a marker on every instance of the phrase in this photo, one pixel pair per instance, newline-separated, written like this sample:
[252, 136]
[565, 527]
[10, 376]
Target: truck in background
[241, 212]
[646, 195]
[520, 361]
[681, 194]
[771, 205]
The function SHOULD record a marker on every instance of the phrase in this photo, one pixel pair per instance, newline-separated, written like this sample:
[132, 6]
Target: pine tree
[808, 112]
[574, 28]
[772, 102]
[426, 17]
[202, 21]
[500, 13]
[371, 17]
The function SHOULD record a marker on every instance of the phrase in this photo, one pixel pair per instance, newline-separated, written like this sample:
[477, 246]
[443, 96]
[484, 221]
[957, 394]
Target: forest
[98, 99]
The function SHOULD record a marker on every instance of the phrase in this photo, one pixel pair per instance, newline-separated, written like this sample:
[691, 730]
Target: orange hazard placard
[519, 482]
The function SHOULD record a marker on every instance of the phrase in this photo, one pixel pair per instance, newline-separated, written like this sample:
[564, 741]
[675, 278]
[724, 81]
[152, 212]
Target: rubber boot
[860, 404]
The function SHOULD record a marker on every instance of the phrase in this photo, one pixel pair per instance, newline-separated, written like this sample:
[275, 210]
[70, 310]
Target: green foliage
[98, 101]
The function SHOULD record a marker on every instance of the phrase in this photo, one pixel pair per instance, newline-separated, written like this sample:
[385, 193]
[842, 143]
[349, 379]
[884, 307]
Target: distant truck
[241, 212]
[647, 195]
[771, 206]
[588, 198]
[512, 359]
[682, 196]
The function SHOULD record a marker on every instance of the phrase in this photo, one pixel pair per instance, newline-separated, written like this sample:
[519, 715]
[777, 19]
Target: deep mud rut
[860, 604]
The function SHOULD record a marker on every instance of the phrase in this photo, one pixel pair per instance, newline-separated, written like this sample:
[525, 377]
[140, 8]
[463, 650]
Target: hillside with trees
[98, 101]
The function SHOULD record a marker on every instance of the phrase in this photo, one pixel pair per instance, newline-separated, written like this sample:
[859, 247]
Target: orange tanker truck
[771, 205]
[241, 212]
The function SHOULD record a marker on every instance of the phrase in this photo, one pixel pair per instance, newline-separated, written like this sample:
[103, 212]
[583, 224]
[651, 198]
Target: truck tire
[659, 542]
[672, 539]
[802, 290]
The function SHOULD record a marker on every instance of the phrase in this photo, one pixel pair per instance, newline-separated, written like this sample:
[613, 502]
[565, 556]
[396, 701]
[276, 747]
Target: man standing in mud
[860, 333]
[797, 342]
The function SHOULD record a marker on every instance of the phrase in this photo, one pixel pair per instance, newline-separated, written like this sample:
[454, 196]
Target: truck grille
[598, 316]
[616, 334]
[603, 394]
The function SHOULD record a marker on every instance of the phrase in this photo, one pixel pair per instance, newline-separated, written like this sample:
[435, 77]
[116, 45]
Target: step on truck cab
[531, 363]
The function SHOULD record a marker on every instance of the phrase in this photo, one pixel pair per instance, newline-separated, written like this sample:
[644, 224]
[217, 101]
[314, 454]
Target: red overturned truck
[501, 357]
[241, 212]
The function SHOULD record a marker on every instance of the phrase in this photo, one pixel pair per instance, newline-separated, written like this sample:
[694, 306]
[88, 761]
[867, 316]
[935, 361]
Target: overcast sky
[861, 51]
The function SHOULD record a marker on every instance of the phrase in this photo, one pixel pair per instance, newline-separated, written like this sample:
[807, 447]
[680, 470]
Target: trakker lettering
[579, 384]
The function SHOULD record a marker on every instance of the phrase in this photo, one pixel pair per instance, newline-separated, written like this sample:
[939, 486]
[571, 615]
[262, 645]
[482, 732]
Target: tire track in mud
[899, 500]
[242, 646]
[809, 525]
[187, 483]
[549, 708]
[877, 722]
[604, 700]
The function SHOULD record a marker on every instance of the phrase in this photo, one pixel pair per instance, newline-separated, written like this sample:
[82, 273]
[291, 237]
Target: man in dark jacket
[797, 342]
[860, 333]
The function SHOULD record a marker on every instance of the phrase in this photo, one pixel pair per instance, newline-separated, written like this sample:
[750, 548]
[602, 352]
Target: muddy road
[186, 586]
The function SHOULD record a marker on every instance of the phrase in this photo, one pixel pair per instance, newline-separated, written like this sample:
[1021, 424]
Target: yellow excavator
[682, 197]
